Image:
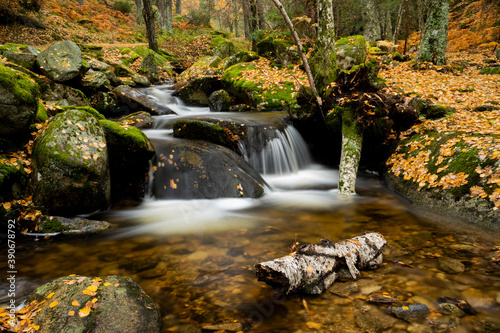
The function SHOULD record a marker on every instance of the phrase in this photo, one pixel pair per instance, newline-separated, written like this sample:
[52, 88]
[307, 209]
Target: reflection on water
[196, 258]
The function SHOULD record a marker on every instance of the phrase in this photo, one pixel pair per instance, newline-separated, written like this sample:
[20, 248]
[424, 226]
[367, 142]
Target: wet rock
[73, 226]
[410, 312]
[71, 170]
[120, 306]
[372, 320]
[140, 120]
[138, 264]
[186, 169]
[219, 101]
[61, 62]
[462, 304]
[140, 80]
[381, 298]
[450, 309]
[133, 100]
[104, 103]
[12, 180]
[19, 105]
[450, 265]
[129, 151]
[344, 289]
[419, 328]
[95, 80]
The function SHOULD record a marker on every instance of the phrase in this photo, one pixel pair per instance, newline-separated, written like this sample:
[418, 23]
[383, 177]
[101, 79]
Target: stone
[118, 305]
[412, 312]
[104, 103]
[73, 226]
[131, 100]
[61, 62]
[219, 101]
[351, 51]
[129, 152]
[12, 180]
[242, 56]
[450, 265]
[140, 120]
[19, 104]
[149, 68]
[26, 60]
[58, 93]
[70, 165]
[95, 80]
[372, 320]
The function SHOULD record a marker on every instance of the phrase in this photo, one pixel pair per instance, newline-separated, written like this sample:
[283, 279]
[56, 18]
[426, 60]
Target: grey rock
[61, 62]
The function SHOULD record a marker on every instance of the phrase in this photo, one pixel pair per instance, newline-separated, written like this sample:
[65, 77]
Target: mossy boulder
[256, 92]
[41, 113]
[219, 101]
[450, 172]
[58, 93]
[91, 111]
[386, 46]
[26, 60]
[129, 151]
[280, 47]
[140, 120]
[61, 62]
[95, 80]
[118, 304]
[73, 226]
[188, 169]
[70, 165]
[222, 47]
[351, 51]
[242, 56]
[19, 104]
[202, 130]
[429, 110]
[18, 48]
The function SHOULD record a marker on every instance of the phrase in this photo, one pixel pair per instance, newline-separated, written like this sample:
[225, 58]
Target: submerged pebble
[411, 312]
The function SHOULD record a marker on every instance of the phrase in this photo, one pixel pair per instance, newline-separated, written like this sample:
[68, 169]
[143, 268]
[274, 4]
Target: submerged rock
[98, 304]
[73, 226]
[450, 265]
[186, 169]
[70, 160]
[411, 312]
[61, 62]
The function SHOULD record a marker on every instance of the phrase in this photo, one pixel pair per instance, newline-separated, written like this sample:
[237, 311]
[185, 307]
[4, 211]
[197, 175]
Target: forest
[250, 165]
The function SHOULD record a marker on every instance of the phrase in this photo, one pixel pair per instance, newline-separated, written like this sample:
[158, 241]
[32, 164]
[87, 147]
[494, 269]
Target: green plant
[123, 6]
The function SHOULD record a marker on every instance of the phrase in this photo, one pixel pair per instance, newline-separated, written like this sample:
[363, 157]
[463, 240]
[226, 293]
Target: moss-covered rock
[453, 173]
[117, 305]
[61, 61]
[91, 111]
[279, 46]
[57, 93]
[257, 92]
[70, 160]
[140, 119]
[350, 51]
[129, 152]
[26, 60]
[104, 103]
[12, 179]
[219, 101]
[19, 104]
[95, 80]
[222, 47]
[41, 114]
[18, 48]
[203, 130]
[242, 56]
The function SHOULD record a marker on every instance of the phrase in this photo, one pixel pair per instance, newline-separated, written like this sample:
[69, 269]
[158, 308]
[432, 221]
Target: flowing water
[196, 258]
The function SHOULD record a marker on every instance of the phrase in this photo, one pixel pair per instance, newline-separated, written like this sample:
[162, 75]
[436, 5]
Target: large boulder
[189, 169]
[70, 165]
[131, 100]
[222, 47]
[129, 152]
[242, 56]
[454, 171]
[107, 304]
[61, 62]
[351, 51]
[19, 104]
[26, 60]
[95, 80]
[57, 93]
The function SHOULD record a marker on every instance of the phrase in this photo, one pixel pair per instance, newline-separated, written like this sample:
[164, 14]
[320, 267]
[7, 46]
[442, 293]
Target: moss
[86, 109]
[217, 41]
[490, 70]
[397, 56]
[12, 47]
[53, 225]
[41, 113]
[127, 133]
[200, 130]
[19, 85]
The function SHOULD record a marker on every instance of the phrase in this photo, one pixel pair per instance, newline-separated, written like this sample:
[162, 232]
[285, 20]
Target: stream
[196, 258]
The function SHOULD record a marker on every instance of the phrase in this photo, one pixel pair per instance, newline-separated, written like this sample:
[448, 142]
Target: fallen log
[312, 269]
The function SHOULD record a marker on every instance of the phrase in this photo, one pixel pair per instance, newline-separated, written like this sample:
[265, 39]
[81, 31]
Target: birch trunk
[398, 25]
[314, 268]
[371, 20]
[352, 140]
[435, 40]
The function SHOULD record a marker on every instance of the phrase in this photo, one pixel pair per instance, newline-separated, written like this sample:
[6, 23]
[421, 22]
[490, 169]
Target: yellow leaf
[84, 312]
[107, 284]
[75, 303]
[36, 327]
[94, 300]
[71, 313]
[92, 288]
[53, 304]
[50, 295]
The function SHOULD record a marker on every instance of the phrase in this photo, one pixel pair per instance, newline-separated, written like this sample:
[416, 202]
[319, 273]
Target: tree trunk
[371, 20]
[235, 18]
[139, 6]
[323, 61]
[301, 51]
[398, 24]
[149, 19]
[261, 15]
[178, 7]
[246, 18]
[314, 268]
[352, 139]
[165, 15]
[435, 40]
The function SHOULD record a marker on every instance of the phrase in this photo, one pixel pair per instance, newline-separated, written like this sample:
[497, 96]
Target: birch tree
[435, 39]
[165, 15]
[371, 19]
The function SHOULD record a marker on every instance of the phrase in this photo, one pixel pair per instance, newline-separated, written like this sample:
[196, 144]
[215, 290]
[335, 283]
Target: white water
[285, 163]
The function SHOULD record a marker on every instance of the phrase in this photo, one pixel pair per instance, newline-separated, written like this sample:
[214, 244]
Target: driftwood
[313, 268]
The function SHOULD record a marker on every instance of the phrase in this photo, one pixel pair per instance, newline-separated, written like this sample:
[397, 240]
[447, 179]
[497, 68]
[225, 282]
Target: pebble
[451, 266]
[344, 289]
[231, 327]
[411, 312]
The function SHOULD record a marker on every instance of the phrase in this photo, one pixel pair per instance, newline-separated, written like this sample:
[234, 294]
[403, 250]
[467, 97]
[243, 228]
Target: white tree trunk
[352, 140]
[313, 268]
